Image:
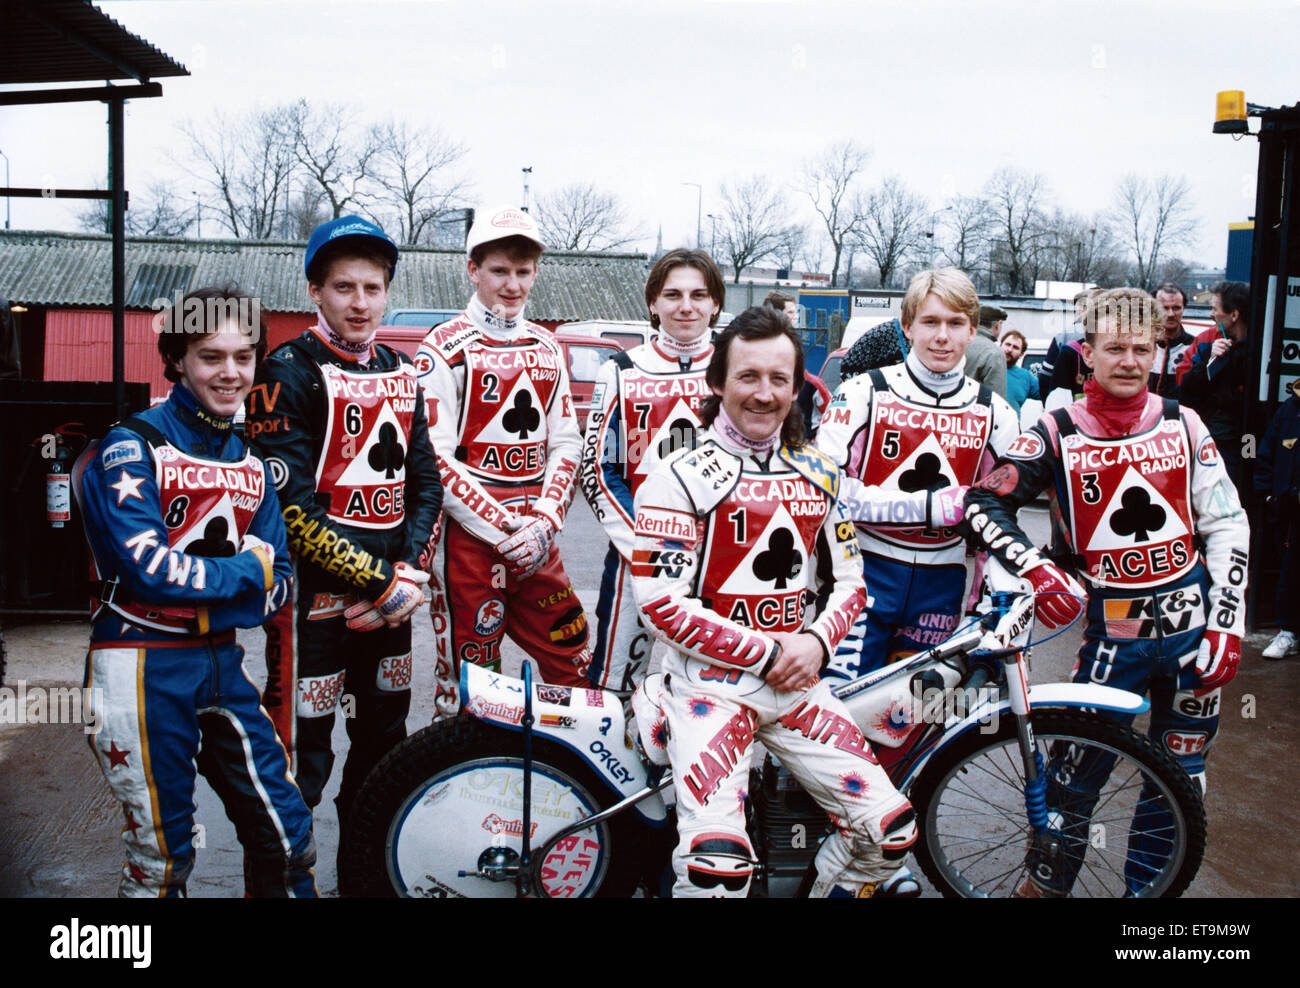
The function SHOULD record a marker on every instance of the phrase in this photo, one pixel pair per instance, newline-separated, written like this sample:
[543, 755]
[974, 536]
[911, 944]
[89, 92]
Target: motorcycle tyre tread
[441, 746]
[1086, 727]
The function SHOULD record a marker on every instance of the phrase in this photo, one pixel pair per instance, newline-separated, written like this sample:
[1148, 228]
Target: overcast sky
[641, 97]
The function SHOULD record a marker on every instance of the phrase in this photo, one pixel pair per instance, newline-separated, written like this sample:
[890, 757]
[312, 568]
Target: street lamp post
[713, 234]
[699, 210]
[6, 157]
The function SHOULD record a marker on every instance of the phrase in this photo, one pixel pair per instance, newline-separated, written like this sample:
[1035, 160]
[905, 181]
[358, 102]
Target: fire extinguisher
[58, 474]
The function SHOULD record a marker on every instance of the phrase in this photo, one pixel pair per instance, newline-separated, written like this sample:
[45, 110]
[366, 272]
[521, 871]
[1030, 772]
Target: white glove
[395, 605]
[946, 506]
[262, 549]
[526, 550]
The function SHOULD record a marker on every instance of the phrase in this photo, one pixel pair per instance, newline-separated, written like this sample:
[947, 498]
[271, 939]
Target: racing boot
[852, 866]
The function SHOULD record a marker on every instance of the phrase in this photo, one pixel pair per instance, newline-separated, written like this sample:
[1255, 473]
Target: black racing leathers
[348, 450]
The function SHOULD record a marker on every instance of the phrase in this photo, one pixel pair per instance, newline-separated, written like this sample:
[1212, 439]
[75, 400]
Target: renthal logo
[664, 524]
[504, 712]
[494, 824]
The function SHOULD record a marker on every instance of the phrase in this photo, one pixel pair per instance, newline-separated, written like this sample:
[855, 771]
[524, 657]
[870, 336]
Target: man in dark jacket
[1215, 384]
[1170, 347]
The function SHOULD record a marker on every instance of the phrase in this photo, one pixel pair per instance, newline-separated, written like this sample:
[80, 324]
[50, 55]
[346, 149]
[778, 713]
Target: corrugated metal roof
[73, 41]
[155, 281]
[70, 269]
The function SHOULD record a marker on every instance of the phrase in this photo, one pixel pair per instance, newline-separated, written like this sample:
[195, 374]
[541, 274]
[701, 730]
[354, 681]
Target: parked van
[627, 333]
[427, 318]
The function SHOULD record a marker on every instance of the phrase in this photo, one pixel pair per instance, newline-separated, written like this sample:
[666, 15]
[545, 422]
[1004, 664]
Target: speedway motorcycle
[546, 791]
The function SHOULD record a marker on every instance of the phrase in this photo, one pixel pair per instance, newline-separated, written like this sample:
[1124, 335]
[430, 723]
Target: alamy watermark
[187, 314]
[52, 705]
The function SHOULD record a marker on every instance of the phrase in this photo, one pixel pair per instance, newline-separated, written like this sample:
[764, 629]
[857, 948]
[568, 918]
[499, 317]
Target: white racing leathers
[892, 434]
[501, 422]
[645, 406]
[729, 548]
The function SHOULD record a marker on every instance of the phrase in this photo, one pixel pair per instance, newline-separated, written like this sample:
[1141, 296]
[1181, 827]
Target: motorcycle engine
[785, 826]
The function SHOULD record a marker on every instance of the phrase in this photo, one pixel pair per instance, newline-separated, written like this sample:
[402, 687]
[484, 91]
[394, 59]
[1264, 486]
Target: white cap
[501, 222]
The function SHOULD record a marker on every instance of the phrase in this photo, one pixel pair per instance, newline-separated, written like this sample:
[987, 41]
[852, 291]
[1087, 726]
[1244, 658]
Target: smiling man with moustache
[746, 567]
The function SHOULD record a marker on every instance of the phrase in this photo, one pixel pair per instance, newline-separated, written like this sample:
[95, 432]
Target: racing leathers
[645, 406]
[1135, 496]
[731, 546]
[187, 545]
[502, 424]
[347, 445]
[906, 429]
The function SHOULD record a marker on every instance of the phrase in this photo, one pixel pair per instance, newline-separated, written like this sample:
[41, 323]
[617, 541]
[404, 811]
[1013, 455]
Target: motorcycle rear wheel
[975, 838]
[453, 791]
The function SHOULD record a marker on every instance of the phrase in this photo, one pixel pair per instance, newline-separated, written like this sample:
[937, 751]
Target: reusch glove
[1217, 659]
[392, 607]
[526, 550]
[1051, 586]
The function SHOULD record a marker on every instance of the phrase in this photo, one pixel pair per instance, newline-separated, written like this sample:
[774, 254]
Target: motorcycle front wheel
[1126, 819]
[442, 816]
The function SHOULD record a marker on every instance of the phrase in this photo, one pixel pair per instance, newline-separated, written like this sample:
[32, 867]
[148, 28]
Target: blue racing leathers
[1135, 502]
[187, 544]
[899, 432]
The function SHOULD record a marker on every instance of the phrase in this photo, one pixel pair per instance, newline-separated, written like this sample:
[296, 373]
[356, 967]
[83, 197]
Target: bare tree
[582, 216]
[332, 151]
[159, 212]
[830, 180]
[1152, 216]
[755, 221]
[412, 179]
[894, 223]
[1017, 200]
[966, 223]
[244, 166]
[789, 248]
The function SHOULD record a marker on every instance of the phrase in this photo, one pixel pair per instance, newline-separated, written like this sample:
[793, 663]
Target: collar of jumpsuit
[940, 383]
[736, 441]
[679, 350]
[492, 325]
[360, 352]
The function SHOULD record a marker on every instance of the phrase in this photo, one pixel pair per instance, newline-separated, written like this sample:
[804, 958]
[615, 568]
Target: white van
[626, 332]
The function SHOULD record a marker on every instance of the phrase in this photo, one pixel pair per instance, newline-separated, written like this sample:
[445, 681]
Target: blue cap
[348, 228]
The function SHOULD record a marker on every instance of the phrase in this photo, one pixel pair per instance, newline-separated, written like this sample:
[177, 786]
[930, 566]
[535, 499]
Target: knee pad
[651, 723]
[718, 863]
[899, 829]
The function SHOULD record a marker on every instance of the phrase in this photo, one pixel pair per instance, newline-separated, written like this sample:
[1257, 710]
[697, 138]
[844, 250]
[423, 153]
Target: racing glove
[1060, 597]
[264, 551]
[526, 550]
[1217, 659]
[395, 605]
[946, 506]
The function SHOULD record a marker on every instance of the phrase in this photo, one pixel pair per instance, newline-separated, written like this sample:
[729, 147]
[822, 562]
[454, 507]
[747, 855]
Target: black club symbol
[215, 543]
[780, 562]
[523, 418]
[924, 475]
[1138, 516]
[387, 455]
[681, 435]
